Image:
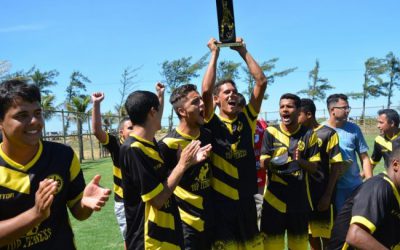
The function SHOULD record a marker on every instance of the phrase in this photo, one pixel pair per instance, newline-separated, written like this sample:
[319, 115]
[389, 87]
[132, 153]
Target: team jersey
[193, 193]
[288, 191]
[328, 143]
[261, 125]
[112, 144]
[18, 186]
[143, 174]
[376, 206]
[234, 174]
[383, 147]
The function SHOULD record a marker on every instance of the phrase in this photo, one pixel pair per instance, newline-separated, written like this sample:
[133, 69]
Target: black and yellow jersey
[234, 172]
[112, 144]
[193, 193]
[383, 147]
[143, 174]
[19, 183]
[288, 192]
[329, 150]
[375, 205]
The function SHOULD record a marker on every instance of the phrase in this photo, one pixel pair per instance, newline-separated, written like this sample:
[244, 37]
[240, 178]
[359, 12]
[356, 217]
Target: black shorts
[195, 240]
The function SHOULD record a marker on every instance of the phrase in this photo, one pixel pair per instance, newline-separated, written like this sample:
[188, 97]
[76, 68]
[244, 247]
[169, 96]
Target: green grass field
[101, 230]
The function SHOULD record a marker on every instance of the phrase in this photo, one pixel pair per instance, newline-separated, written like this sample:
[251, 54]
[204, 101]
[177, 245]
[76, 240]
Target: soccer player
[234, 180]
[370, 218]
[193, 193]
[289, 151]
[38, 179]
[351, 143]
[112, 144]
[389, 139]
[322, 183]
[152, 216]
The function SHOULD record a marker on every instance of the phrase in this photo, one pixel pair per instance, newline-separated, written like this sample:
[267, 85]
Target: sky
[102, 38]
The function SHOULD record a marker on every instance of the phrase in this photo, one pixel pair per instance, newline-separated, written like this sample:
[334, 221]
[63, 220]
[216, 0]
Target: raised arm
[258, 75]
[160, 89]
[13, 228]
[100, 134]
[209, 79]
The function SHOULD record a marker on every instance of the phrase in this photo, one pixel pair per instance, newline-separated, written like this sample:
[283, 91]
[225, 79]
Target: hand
[97, 97]
[203, 153]
[188, 154]
[324, 203]
[44, 198]
[160, 89]
[94, 196]
[212, 45]
[239, 49]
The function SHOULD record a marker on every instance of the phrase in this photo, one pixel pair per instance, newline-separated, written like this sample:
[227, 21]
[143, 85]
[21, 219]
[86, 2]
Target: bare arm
[209, 79]
[160, 89]
[13, 228]
[366, 164]
[100, 134]
[192, 154]
[325, 200]
[310, 167]
[258, 75]
[360, 238]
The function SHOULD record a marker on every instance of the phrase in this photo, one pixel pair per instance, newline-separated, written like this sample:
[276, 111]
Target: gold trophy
[226, 24]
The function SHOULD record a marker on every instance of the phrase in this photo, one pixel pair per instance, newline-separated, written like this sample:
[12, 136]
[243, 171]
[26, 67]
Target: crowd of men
[217, 181]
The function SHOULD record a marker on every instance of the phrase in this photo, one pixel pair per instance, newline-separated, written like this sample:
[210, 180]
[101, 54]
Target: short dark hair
[334, 98]
[179, 94]
[122, 122]
[138, 105]
[391, 115]
[218, 85]
[394, 155]
[293, 97]
[11, 90]
[307, 105]
[241, 100]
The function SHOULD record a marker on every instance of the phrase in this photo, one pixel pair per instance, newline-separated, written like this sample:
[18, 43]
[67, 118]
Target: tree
[318, 85]
[48, 108]
[177, 73]
[393, 70]
[267, 67]
[78, 106]
[127, 85]
[43, 80]
[4, 68]
[373, 83]
[228, 70]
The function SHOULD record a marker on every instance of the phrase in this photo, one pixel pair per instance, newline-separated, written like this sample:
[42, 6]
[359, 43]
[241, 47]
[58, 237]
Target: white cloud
[22, 27]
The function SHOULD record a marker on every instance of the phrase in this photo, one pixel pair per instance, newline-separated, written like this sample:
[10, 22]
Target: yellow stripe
[224, 165]
[117, 172]
[19, 166]
[224, 189]
[150, 195]
[191, 220]
[315, 158]
[333, 141]
[148, 151]
[151, 243]
[373, 162]
[189, 137]
[193, 199]
[278, 179]
[263, 157]
[396, 193]
[313, 139]
[336, 158]
[118, 190]
[386, 144]
[161, 219]
[345, 246]
[72, 202]
[279, 135]
[173, 143]
[107, 140]
[275, 202]
[75, 168]
[308, 192]
[15, 180]
[363, 221]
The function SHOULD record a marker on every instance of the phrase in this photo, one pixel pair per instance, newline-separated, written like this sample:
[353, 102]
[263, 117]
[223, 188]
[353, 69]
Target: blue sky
[102, 38]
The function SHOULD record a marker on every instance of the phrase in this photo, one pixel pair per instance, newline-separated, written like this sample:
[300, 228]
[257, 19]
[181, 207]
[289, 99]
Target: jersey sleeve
[376, 154]
[267, 147]
[370, 205]
[361, 144]
[76, 182]
[333, 149]
[168, 154]
[312, 151]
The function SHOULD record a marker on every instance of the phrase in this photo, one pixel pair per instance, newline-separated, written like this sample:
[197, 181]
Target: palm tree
[48, 108]
[43, 80]
[78, 106]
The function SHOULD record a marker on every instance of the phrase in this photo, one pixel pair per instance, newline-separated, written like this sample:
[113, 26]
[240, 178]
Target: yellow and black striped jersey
[19, 183]
[375, 205]
[289, 192]
[112, 144]
[328, 143]
[193, 193]
[143, 175]
[383, 147]
[233, 160]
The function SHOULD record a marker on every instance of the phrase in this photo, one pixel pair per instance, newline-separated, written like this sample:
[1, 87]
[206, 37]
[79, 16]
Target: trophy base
[229, 44]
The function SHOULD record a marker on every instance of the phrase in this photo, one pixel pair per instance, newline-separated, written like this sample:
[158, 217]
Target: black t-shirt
[376, 206]
[383, 147]
[143, 174]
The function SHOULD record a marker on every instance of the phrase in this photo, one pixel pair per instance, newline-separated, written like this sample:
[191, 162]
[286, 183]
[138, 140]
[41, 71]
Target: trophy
[226, 24]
